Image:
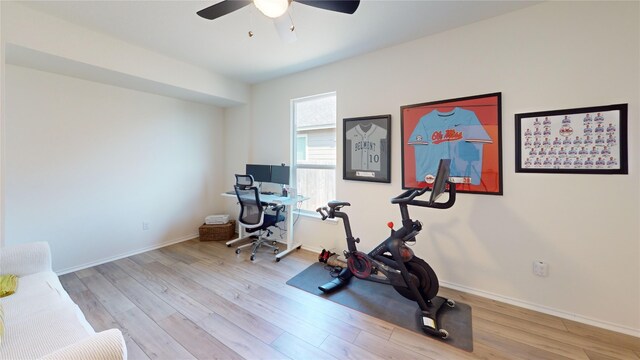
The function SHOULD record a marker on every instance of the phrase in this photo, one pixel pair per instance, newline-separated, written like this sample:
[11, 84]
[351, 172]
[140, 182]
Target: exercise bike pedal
[341, 280]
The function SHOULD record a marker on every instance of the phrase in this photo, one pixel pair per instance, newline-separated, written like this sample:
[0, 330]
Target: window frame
[294, 147]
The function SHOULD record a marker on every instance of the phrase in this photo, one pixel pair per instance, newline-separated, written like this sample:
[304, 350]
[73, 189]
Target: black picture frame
[588, 140]
[367, 148]
[467, 130]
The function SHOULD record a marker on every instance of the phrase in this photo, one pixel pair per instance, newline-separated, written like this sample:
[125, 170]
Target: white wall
[551, 56]
[87, 163]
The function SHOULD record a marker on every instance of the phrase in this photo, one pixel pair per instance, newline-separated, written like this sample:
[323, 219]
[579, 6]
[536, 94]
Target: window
[301, 147]
[314, 150]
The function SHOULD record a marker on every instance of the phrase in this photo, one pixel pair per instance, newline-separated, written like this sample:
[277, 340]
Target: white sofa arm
[105, 345]
[25, 259]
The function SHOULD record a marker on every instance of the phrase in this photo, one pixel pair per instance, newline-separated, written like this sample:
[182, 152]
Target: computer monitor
[441, 180]
[260, 173]
[280, 174]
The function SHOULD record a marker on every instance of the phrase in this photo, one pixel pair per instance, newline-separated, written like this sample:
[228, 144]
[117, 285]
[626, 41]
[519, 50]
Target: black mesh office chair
[253, 217]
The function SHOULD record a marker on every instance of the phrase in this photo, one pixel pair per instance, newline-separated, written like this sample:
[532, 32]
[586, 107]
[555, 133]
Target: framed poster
[591, 140]
[367, 148]
[466, 130]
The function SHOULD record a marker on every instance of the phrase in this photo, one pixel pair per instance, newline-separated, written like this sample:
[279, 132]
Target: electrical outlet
[145, 226]
[540, 268]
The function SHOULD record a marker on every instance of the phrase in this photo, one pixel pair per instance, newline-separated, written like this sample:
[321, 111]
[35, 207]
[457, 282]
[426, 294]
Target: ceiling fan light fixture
[272, 8]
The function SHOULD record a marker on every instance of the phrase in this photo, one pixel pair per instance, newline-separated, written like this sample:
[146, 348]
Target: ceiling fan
[276, 8]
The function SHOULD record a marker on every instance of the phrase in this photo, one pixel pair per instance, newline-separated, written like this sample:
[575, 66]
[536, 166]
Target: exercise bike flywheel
[359, 264]
[427, 281]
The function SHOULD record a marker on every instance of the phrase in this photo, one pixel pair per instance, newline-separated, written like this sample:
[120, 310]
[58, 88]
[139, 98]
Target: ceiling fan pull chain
[293, 26]
[251, 12]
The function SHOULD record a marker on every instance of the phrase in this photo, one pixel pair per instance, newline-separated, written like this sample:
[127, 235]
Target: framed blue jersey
[456, 135]
[464, 130]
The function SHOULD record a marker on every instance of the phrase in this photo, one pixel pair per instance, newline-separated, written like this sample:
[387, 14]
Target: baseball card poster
[367, 148]
[589, 140]
[466, 130]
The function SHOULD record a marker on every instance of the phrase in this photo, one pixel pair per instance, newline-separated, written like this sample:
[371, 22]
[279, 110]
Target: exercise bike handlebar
[408, 197]
[324, 212]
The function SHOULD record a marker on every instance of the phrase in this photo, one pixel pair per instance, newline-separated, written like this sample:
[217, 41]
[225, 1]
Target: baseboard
[127, 254]
[544, 309]
[313, 249]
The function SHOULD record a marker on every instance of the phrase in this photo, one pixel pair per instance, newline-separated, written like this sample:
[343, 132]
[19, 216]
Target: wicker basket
[218, 232]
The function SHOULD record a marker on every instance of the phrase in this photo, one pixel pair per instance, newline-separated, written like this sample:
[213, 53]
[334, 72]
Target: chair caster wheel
[252, 257]
[237, 251]
[277, 259]
[228, 245]
[443, 333]
[275, 251]
[274, 243]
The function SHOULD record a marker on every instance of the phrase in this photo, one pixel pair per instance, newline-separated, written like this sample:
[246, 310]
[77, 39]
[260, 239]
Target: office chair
[253, 217]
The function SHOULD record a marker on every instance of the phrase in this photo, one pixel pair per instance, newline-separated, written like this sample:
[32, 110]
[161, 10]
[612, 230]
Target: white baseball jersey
[366, 147]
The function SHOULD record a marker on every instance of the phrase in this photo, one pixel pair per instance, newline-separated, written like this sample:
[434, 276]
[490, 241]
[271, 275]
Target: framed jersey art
[466, 130]
[367, 148]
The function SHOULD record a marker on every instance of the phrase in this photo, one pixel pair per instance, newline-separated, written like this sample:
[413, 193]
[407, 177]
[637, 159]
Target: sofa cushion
[40, 317]
[42, 333]
[35, 293]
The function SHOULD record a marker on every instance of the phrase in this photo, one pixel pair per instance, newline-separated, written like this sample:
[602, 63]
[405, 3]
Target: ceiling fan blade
[343, 6]
[222, 8]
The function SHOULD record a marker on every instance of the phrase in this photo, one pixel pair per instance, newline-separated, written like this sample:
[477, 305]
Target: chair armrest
[277, 209]
[105, 345]
[25, 259]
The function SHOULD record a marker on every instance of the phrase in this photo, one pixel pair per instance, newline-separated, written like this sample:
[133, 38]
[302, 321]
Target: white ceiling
[223, 46]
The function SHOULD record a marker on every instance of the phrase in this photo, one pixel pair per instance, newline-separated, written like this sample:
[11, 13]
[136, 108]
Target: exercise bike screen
[441, 180]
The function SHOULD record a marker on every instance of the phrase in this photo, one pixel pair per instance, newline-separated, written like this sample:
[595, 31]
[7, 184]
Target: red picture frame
[467, 130]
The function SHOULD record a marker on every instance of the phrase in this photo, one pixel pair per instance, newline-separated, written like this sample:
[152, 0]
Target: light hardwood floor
[201, 300]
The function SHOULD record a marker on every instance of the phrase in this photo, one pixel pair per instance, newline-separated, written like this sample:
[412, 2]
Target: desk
[276, 200]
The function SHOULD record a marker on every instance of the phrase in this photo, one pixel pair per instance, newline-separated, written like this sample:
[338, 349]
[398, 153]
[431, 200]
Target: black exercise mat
[383, 302]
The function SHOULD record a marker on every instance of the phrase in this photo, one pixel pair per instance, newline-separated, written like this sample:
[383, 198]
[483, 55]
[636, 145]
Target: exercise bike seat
[335, 203]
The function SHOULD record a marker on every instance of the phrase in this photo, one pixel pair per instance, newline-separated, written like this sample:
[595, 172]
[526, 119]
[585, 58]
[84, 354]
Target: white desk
[289, 203]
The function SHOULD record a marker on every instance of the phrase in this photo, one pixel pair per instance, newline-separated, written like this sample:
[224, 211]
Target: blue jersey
[456, 135]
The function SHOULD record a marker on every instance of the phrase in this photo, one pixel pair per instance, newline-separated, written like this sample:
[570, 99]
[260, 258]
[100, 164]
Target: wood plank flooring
[199, 300]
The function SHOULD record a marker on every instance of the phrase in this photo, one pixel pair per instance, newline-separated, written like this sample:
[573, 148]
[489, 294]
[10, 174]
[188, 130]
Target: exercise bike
[409, 275]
